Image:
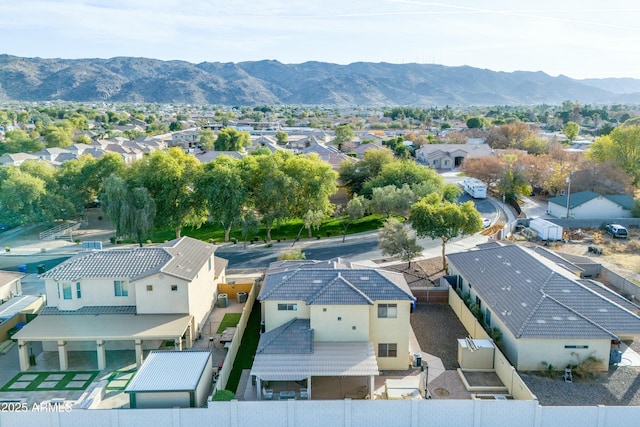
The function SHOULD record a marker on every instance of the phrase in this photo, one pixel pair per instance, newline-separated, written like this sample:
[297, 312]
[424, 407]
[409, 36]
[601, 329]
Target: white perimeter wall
[342, 413]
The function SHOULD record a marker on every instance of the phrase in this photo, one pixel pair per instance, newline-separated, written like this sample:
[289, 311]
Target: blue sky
[577, 38]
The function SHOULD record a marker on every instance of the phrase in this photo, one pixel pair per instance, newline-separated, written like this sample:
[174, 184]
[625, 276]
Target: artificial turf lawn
[118, 380]
[61, 384]
[229, 321]
[248, 347]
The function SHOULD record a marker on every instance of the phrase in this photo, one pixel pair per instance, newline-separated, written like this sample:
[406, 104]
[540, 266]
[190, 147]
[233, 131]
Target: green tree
[395, 239]
[206, 139]
[249, 223]
[282, 137]
[392, 200]
[343, 133]
[291, 255]
[176, 126]
[222, 186]
[356, 209]
[21, 197]
[571, 130]
[513, 182]
[230, 139]
[474, 123]
[170, 178]
[58, 136]
[440, 219]
[622, 147]
[17, 141]
[400, 172]
[354, 175]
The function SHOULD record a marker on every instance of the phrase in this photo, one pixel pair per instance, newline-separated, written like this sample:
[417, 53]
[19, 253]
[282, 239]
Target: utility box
[223, 300]
[475, 353]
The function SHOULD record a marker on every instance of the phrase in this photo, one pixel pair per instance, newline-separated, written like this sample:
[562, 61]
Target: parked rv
[475, 188]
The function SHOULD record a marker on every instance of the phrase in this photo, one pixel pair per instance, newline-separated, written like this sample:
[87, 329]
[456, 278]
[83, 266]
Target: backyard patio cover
[105, 327]
[329, 359]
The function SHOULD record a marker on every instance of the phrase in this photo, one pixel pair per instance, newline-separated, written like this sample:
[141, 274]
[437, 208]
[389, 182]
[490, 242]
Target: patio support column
[371, 386]
[189, 340]
[139, 353]
[178, 343]
[309, 387]
[23, 355]
[259, 388]
[62, 354]
[102, 356]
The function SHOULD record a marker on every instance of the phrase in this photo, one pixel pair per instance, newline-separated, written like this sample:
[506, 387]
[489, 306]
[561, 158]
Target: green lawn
[229, 321]
[248, 347]
[118, 380]
[288, 230]
[49, 381]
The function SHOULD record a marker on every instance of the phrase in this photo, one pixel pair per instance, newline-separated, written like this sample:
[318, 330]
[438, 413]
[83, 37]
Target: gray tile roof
[90, 310]
[181, 258]
[529, 293]
[333, 286]
[293, 337]
[559, 260]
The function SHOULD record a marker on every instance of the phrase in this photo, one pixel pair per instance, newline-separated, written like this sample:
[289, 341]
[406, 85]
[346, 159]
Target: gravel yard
[437, 329]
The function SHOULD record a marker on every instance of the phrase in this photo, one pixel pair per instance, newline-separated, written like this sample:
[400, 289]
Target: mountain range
[127, 79]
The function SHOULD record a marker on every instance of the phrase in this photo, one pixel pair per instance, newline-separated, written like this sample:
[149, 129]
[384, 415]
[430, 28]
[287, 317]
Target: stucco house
[591, 205]
[124, 299]
[450, 156]
[544, 310]
[331, 318]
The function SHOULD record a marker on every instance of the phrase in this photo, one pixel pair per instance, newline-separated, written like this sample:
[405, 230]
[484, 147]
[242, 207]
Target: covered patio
[337, 370]
[99, 331]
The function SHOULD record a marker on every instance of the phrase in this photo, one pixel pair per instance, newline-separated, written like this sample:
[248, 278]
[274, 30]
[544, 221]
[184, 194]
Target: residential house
[450, 156]
[361, 149]
[329, 154]
[544, 311]
[120, 299]
[331, 318]
[186, 139]
[211, 155]
[16, 159]
[590, 205]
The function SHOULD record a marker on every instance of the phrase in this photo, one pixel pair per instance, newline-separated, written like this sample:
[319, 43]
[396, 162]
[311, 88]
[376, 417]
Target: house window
[353, 328]
[66, 290]
[174, 287]
[487, 317]
[387, 350]
[287, 307]
[78, 290]
[324, 310]
[387, 311]
[120, 288]
[149, 287]
[576, 346]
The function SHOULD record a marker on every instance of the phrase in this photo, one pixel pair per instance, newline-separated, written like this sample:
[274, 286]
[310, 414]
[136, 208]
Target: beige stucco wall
[327, 327]
[532, 352]
[394, 330]
[203, 292]
[162, 300]
[10, 289]
[274, 318]
[95, 292]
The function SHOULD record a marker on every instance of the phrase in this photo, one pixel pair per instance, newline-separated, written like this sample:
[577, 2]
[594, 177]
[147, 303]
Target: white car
[486, 222]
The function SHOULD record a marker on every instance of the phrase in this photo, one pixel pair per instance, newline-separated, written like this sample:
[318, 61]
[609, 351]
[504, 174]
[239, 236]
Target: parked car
[616, 230]
[486, 222]
[4, 227]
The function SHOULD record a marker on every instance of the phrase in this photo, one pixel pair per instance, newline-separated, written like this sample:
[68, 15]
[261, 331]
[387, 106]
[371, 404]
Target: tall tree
[222, 186]
[439, 219]
[571, 130]
[622, 147]
[513, 183]
[395, 239]
[354, 175]
[344, 134]
[21, 197]
[230, 139]
[356, 209]
[206, 138]
[170, 179]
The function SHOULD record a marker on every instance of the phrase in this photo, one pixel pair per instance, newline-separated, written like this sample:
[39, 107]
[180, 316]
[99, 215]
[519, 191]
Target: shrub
[589, 367]
[223, 396]
[112, 239]
[547, 370]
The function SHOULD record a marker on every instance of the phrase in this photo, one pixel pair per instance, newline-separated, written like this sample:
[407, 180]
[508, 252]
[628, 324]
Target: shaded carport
[100, 328]
[328, 359]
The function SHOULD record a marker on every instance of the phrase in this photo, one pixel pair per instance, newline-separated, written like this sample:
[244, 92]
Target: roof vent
[524, 304]
[557, 318]
[572, 318]
[541, 321]
[364, 277]
[602, 310]
[317, 281]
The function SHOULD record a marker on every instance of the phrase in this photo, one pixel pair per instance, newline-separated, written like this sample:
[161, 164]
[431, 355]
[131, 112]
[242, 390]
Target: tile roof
[293, 337]
[530, 293]
[582, 197]
[7, 277]
[170, 371]
[90, 310]
[333, 284]
[181, 258]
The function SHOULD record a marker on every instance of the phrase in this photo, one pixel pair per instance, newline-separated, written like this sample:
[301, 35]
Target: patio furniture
[361, 392]
[267, 393]
[304, 393]
[286, 395]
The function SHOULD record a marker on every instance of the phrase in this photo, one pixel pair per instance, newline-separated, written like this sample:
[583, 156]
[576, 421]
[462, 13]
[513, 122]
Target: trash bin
[417, 360]
[22, 268]
[41, 269]
[242, 297]
[223, 300]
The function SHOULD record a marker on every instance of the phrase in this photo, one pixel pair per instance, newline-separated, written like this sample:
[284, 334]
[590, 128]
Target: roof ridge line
[332, 282]
[581, 315]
